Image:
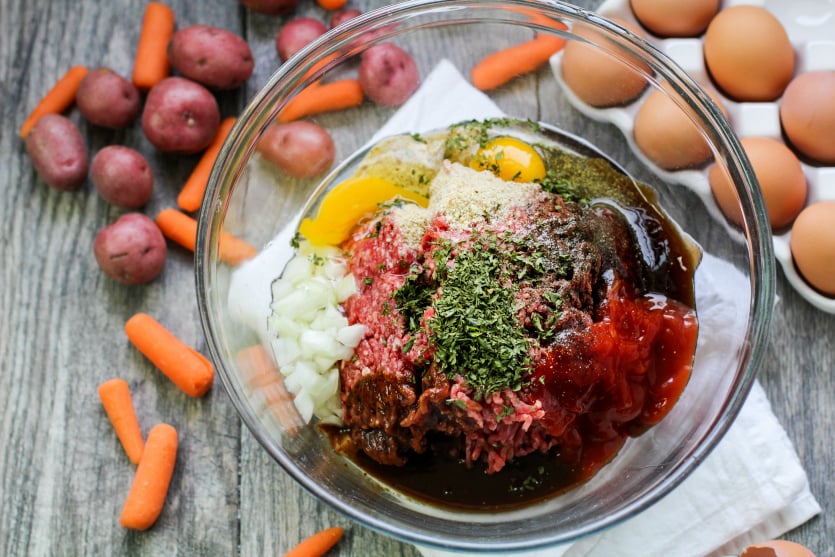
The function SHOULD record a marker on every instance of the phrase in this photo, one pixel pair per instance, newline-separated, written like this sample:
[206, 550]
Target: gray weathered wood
[63, 475]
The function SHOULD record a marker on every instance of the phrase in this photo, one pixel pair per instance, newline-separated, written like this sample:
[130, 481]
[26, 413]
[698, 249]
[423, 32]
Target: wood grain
[63, 475]
[61, 478]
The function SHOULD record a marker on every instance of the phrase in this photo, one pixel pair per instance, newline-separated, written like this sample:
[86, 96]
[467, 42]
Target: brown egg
[667, 135]
[598, 78]
[683, 18]
[807, 112]
[813, 245]
[748, 53]
[781, 179]
[776, 548]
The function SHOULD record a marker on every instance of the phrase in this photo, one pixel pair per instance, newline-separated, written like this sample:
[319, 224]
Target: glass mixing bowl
[246, 197]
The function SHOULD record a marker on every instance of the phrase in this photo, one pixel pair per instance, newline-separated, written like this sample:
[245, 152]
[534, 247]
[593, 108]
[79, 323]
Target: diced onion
[287, 351]
[319, 342]
[312, 334]
[305, 406]
[281, 288]
[326, 362]
[298, 269]
[333, 269]
[295, 304]
[329, 319]
[345, 288]
[306, 249]
[351, 335]
[285, 326]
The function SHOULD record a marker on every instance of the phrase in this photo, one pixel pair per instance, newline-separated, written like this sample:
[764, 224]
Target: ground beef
[378, 385]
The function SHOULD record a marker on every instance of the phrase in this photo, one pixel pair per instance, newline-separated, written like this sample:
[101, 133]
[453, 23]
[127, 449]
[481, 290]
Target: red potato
[58, 153]
[180, 116]
[212, 56]
[296, 34]
[131, 250]
[107, 99]
[301, 149]
[270, 7]
[341, 16]
[388, 74]
[122, 176]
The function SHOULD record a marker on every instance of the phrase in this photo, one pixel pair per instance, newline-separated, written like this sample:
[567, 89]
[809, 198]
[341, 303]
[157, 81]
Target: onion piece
[312, 333]
[351, 335]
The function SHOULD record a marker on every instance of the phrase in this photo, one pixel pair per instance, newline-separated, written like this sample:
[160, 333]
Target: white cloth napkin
[751, 488]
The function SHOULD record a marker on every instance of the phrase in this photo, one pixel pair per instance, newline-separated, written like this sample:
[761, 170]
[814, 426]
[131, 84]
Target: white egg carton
[810, 25]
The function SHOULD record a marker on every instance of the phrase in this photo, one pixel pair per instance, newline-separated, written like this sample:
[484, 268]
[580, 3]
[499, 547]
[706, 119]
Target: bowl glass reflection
[249, 199]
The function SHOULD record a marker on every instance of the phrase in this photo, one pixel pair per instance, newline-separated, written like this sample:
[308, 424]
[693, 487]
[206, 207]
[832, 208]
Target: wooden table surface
[63, 475]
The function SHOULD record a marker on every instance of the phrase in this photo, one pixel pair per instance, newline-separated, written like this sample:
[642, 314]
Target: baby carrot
[325, 97]
[501, 66]
[150, 64]
[149, 489]
[316, 545]
[115, 397]
[332, 4]
[182, 229]
[192, 193]
[57, 99]
[321, 64]
[182, 364]
[261, 375]
[233, 250]
[178, 227]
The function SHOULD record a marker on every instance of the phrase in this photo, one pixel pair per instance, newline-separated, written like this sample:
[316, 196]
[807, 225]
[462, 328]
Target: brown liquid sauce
[665, 260]
[438, 479]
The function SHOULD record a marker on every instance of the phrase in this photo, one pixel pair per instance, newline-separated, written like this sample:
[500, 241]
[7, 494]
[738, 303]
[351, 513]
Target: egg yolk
[347, 203]
[510, 159]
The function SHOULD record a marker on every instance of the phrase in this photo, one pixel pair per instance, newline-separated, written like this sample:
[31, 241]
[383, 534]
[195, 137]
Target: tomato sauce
[625, 372]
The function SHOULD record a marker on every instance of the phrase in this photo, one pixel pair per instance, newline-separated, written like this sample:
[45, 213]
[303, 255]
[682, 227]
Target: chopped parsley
[507, 410]
[474, 329]
[378, 226]
[579, 179]
[464, 137]
[414, 297]
[566, 187]
[422, 178]
[531, 483]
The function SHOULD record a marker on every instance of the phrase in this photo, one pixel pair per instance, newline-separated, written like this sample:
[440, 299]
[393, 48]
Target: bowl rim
[302, 69]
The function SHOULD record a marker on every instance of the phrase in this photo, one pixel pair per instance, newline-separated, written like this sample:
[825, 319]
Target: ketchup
[624, 373]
